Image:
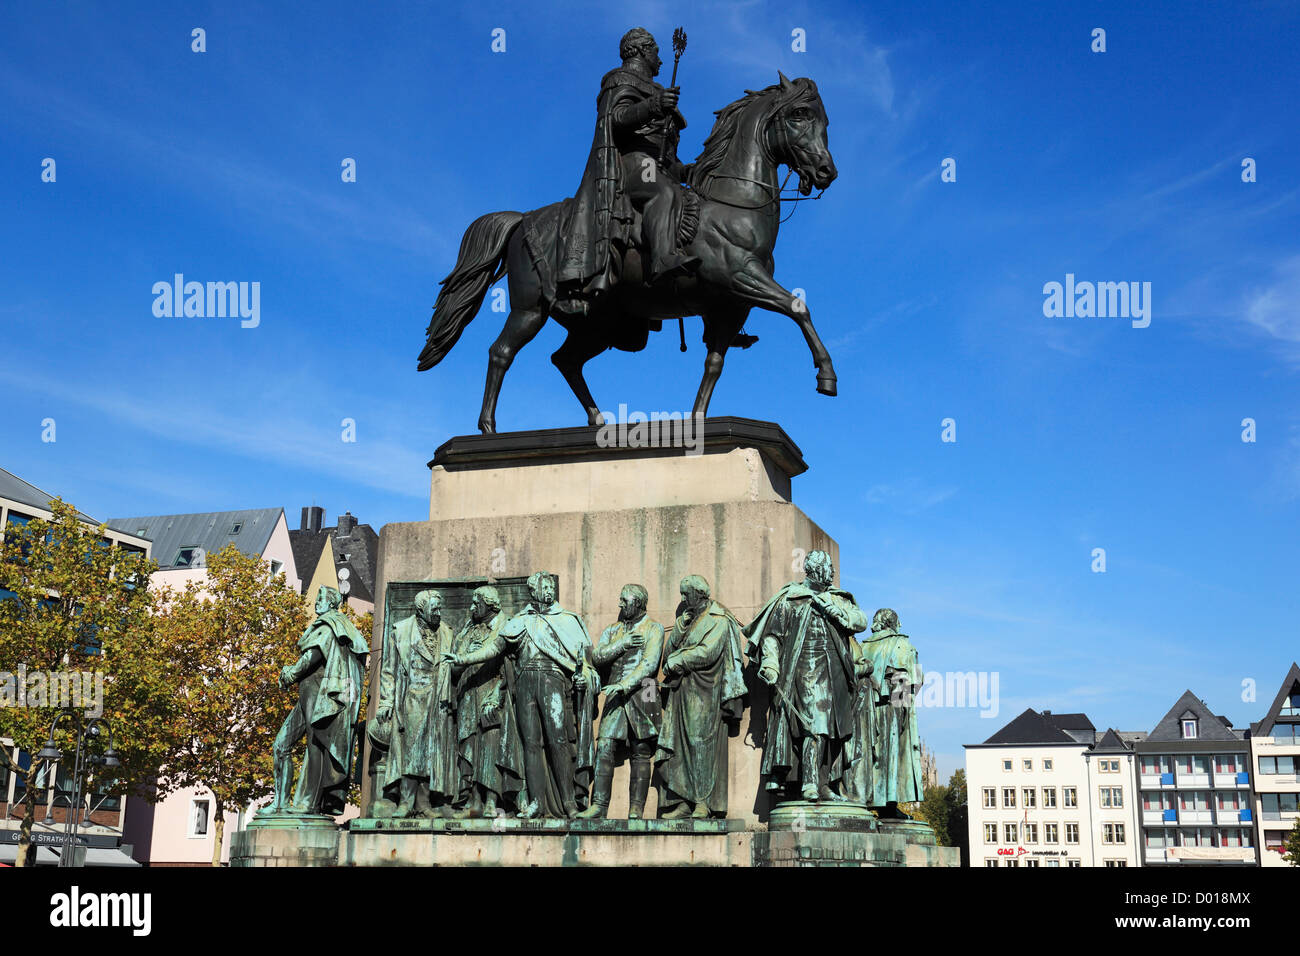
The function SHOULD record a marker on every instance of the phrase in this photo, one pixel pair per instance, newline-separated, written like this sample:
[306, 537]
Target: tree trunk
[218, 832]
[29, 816]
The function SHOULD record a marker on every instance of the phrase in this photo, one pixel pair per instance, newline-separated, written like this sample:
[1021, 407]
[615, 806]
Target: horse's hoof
[826, 384]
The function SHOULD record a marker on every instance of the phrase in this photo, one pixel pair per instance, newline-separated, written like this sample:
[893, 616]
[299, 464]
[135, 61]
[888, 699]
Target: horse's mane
[728, 121]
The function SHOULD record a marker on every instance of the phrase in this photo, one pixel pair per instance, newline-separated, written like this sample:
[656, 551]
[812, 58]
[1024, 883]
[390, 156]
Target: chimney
[346, 524]
[312, 519]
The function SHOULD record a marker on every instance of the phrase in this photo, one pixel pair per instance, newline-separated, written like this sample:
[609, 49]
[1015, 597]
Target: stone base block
[267, 843]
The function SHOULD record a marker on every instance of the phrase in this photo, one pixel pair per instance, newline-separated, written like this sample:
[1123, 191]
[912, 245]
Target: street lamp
[83, 758]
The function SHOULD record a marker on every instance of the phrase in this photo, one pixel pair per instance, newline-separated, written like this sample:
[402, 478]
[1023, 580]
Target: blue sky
[1072, 434]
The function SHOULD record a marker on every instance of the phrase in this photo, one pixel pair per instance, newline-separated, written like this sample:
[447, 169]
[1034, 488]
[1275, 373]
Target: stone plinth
[511, 842]
[600, 518]
[286, 840]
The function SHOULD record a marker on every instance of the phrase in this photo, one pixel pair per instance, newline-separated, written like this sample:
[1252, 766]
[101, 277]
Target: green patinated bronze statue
[704, 687]
[895, 739]
[556, 688]
[490, 748]
[329, 676]
[628, 658]
[420, 772]
[803, 642]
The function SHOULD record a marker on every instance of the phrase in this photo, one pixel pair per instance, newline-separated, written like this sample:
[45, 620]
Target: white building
[1047, 790]
[1275, 754]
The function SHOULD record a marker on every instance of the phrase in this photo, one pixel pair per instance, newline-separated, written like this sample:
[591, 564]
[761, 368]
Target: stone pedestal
[286, 840]
[602, 517]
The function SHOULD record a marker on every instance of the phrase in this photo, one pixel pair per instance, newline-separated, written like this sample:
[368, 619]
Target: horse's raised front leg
[719, 331]
[521, 326]
[755, 284]
[569, 358]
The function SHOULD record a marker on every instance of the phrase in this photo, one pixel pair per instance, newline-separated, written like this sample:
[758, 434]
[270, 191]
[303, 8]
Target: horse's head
[797, 133]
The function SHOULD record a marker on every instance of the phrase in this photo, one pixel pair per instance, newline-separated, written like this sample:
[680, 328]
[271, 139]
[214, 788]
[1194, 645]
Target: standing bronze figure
[491, 754]
[803, 640]
[704, 686]
[628, 657]
[706, 250]
[556, 689]
[328, 673]
[416, 699]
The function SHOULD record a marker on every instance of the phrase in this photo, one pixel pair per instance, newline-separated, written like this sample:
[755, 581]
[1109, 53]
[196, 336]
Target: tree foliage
[73, 603]
[232, 633]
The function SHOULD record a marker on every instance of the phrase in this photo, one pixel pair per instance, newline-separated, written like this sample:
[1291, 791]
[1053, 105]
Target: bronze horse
[735, 178]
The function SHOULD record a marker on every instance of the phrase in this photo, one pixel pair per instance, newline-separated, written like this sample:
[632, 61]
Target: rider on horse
[632, 165]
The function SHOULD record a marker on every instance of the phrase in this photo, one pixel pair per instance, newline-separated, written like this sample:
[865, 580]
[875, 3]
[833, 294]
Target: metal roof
[210, 531]
[15, 489]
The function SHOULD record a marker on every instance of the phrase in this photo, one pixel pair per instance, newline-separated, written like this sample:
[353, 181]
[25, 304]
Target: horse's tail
[481, 262]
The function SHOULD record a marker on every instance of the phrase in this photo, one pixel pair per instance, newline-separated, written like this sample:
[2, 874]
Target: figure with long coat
[632, 164]
[329, 674]
[489, 747]
[627, 659]
[704, 689]
[803, 641]
[416, 695]
[556, 687]
[896, 739]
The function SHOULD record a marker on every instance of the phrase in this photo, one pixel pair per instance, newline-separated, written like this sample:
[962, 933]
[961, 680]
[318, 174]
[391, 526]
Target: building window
[1008, 796]
[990, 833]
[1006, 765]
[1072, 833]
[1028, 765]
[1047, 763]
[1070, 796]
[1049, 798]
[1277, 765]
[1009, 833]
[1050, 833]
[198, 819]
[1031, 832]
[1030, 798]
[1189, 728]
[990, 798]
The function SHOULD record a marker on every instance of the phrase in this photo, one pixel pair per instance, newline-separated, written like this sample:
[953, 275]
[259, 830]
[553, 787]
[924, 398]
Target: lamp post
[85, 730]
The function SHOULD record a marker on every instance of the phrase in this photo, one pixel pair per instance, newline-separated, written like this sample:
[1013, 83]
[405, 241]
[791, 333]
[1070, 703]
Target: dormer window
[1189, 728]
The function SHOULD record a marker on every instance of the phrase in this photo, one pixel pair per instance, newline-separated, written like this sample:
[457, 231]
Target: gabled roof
[1111, 743]
[1209, 725]
[1031, 727]
[24, 492]
[1265, 727]
[210, 530]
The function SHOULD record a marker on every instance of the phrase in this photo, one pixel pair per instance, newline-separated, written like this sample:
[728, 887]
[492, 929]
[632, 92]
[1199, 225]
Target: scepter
[679, 47]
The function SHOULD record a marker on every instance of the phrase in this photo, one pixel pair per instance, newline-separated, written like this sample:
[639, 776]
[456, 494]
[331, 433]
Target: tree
[233, 632]
[75, 613]
[1291, 848]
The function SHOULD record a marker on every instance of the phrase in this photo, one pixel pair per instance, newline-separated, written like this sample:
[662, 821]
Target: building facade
[1275, 761]
[1195, 784]
[1036, 789]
